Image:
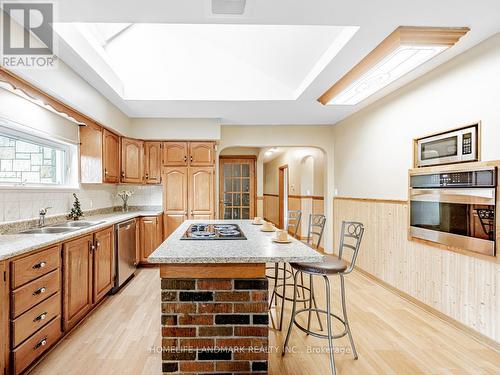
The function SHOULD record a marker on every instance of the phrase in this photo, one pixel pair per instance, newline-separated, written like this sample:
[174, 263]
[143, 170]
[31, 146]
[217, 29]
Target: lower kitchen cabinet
[77, 288]
[88, 274]
[104, 266]
[4, 321]
[151, 236]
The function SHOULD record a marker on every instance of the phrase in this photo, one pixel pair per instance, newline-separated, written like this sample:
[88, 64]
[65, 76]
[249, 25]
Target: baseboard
[485, 340]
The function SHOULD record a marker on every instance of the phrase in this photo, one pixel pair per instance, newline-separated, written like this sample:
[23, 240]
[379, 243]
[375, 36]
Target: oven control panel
[481, 178]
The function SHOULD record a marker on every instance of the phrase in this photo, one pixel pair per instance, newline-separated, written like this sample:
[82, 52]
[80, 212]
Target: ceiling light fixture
[402, 51]
[231, 7]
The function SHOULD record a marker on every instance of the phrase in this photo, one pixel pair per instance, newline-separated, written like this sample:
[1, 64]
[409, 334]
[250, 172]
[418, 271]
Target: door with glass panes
[237, 188]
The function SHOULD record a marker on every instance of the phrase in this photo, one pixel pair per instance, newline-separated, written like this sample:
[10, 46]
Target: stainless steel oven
[455, 208]
[452, 147]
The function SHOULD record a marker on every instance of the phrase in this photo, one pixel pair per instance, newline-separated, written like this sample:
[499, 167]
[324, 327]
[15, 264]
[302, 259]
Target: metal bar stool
[351, 236]
[316, 227]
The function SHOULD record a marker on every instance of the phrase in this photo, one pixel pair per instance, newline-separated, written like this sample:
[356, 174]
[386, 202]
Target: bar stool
[351, 236]
[294, 218]
[316, 228]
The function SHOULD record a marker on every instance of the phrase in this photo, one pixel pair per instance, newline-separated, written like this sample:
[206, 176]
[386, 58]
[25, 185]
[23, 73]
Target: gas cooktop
[203, 231]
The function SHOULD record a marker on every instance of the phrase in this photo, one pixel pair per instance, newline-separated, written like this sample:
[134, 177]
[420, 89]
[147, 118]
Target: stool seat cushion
[332, 265]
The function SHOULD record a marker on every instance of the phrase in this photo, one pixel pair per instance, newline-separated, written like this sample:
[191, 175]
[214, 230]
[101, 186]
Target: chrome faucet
[41, 219]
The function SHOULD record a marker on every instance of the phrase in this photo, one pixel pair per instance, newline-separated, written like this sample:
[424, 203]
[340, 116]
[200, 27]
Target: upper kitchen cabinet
[152, 162]
[175, 153]
[111, 156]
[99, 155]
[201, 154]
[132, 160]
[91, 152]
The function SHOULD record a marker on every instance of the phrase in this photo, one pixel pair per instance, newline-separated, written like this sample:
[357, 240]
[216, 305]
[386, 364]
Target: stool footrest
[316, 334]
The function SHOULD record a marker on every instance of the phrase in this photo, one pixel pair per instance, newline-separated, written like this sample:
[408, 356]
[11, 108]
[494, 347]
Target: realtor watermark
[27, 35]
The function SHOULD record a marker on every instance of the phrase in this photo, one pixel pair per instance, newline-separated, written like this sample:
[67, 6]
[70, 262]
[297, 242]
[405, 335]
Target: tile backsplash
[23, 205]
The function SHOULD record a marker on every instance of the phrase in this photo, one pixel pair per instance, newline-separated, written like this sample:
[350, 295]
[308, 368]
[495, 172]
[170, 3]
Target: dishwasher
[125, 253]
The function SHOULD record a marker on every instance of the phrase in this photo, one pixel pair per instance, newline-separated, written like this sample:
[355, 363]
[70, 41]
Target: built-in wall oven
[455, 208]
[452, 147]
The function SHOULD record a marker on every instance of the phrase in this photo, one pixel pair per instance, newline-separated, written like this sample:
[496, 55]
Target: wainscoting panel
[462, 287]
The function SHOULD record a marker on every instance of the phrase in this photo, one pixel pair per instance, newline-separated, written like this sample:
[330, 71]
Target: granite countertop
[16, 244]
[258, 248]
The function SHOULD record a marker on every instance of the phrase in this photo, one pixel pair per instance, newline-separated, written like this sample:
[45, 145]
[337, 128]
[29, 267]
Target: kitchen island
[214, 298]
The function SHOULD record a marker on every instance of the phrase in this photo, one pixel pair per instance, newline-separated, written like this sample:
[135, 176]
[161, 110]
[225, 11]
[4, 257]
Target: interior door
[77, 261]
[237, 188]
[103, 263]
[201, 193]
[175, 195]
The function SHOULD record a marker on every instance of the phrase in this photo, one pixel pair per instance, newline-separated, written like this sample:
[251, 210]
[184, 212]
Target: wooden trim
[374, 200]
[213, 271]
[314, 197]
[455, 323]
[260, 198]
[281, 196]
[38, 95]
[253, 157]
[477, 124]
[401, 36]
[270, 195]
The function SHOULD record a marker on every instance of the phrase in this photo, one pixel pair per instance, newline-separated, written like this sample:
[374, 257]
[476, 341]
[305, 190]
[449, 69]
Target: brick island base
[214, 318]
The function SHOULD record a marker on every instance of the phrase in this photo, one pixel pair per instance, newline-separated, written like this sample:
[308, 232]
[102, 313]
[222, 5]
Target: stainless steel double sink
[66, 227]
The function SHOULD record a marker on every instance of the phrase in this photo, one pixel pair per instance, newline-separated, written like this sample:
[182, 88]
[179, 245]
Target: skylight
[206, 61]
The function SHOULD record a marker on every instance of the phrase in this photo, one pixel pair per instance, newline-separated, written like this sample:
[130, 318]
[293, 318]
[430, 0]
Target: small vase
[125, 207]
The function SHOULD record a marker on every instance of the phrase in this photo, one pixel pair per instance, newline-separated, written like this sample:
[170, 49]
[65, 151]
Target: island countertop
[257, 248]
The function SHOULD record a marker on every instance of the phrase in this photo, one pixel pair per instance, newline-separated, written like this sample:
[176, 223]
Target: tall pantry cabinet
[188, 176]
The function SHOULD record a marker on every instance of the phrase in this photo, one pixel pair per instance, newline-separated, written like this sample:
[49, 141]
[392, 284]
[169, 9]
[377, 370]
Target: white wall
[373, 148]
[373, 152]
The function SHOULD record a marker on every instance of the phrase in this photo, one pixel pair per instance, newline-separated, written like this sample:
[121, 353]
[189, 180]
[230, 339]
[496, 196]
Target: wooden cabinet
[132, 156]
[4, 320]
[77, 276]
[150, 234]
[91, 169]
[152, 162]
[201, 154]
[99, 155]
[88, 274]
[175, 153]
[188, 193]
[201, 193]
[110, 157]
[188, 153]
[175, 198]
[103, 271]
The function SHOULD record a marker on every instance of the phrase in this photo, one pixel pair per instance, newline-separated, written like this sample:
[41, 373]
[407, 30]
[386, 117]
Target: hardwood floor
[392, 336]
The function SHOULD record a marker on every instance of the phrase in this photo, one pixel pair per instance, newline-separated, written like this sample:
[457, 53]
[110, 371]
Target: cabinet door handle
[191, 158]
[123, 173]
[147, 176]
[97, 244]
[91, 247]
[185, 159]
[40, 291]
[40, 343]
[41, 317]
[105, 171]
[39, 265]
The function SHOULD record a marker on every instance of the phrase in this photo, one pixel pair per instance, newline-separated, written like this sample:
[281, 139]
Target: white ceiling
[285, 96]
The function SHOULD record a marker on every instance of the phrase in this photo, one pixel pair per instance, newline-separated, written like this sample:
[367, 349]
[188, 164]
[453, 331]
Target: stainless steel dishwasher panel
[125, 252]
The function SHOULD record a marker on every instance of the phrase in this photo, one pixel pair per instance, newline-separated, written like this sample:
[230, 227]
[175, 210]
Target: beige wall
[171, 128]
[318, 136]
[373, 152]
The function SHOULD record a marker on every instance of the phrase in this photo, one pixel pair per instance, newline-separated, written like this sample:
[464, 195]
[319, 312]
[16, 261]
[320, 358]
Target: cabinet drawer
[35, 292]
[33, 266]
[35, 318]
[36, 345]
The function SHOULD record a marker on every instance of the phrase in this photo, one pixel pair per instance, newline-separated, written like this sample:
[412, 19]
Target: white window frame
[70, 169]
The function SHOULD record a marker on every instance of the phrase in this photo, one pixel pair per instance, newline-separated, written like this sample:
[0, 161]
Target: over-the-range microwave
[453, 147]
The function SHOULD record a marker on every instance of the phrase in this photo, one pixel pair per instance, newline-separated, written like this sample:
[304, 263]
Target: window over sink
[32, 160]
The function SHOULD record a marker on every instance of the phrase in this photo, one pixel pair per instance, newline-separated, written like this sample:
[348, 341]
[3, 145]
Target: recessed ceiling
[207, 61]
[279, 92]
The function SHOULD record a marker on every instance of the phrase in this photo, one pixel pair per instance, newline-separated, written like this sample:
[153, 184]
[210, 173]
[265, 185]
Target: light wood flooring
[392, 336]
